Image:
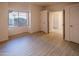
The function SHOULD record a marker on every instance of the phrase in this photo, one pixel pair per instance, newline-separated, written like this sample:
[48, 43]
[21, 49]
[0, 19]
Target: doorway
[56, 23]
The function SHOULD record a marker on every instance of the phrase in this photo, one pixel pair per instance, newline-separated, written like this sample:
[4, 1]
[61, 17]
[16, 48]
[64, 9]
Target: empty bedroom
[39, 29]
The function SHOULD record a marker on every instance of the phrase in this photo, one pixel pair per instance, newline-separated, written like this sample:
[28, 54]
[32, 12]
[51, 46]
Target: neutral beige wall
[35, 18]
[35, 15]
[18, 6]
[59, 7]
[3, 21]
[16, 30]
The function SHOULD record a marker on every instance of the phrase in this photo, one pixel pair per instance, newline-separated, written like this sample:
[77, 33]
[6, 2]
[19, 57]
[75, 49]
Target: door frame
[63, 22]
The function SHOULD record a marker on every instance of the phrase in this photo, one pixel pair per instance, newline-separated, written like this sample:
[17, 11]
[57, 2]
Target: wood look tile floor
[39, 44]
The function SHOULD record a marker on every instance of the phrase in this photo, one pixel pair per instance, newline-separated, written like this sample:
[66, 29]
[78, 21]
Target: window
[17, 18]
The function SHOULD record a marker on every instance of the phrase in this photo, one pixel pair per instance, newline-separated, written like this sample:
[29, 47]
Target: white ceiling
[42, 3]
[49, 3]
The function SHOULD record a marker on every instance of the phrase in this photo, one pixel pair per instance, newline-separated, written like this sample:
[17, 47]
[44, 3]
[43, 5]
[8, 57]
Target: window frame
[27, 12]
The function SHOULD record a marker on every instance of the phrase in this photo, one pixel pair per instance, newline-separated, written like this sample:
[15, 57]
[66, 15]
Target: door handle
[71, 26]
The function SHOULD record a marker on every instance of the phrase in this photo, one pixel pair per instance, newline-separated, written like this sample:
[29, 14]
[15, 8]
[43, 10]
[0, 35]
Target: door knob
[71, 26]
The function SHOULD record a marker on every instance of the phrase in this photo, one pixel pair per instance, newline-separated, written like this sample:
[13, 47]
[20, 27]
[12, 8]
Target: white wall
[3, 21]
[35, 20]
[16, 30]
[60, 6]
[35, 15]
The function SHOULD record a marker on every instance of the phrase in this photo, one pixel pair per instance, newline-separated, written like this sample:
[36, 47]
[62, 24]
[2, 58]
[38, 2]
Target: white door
[74, 24]
[44, 21]
[56, 21]
[51, 17]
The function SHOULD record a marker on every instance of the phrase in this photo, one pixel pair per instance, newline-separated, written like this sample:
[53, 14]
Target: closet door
[74, 24]
[44, 21]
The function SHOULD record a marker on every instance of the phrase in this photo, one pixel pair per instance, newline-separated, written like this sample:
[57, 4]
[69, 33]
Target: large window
[18, 18]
